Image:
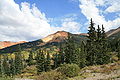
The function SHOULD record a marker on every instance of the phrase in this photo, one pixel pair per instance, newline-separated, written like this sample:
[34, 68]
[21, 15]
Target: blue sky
[58, 9]
[34, 19]
[55, 8]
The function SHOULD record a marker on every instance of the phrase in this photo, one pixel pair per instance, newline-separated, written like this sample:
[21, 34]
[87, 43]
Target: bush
[70, 70]
[51, 75]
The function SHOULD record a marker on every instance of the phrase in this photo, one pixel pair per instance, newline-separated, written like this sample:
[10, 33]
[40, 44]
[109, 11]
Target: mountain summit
[56, 37]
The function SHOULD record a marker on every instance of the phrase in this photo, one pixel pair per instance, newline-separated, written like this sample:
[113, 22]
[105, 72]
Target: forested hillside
[64, 58]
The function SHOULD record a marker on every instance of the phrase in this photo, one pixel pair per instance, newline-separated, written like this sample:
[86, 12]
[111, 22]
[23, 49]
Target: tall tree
[47, 62]
[97, 51]
[6, 66]
[102, 47]
[1, 65]
[61, 55]
[71, 56]
[99, 34]
[55, 59]
[59, 58]
[12, 67]
[82, 55]
[30, 58]
[40, 61]
[92, 32]
[18, 62]
[91, 45]
[118, 49]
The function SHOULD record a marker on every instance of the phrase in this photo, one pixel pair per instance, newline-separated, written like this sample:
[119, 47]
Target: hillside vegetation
[71, 57]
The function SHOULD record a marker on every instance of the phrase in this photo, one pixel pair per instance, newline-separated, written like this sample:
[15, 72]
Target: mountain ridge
[56, 38]
[4, 44]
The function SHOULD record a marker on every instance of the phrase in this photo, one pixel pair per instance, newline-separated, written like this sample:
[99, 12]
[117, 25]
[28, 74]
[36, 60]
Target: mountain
[53, 40]
[114, 38]
[113, 33]
[50, 41]
[4, 44]
[56, 37]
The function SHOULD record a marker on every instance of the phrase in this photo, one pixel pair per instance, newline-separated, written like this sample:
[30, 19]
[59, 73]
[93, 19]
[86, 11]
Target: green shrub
[51, 75]
[70, 70]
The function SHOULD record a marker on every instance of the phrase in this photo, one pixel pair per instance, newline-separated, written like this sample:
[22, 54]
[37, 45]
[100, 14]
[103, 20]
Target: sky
[28, 20]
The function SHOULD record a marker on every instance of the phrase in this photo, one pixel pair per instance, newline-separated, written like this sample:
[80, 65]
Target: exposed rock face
[59, 36]
[113, 31]
[4, 44]
[56, 37]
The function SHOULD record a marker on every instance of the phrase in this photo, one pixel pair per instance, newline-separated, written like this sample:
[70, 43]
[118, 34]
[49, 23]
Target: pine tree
[6, 67]
[91, 45]
[103, 56]
[40, 61]
[47, 63]
[12, 67]
[30, 58]
[92, 32]
[1, 66]
[119, 53]
[118, 49]
[97, 51]
[55, 59]
[71, 56]
[18, 62]
[98, 34]
[82, 55]
[103, 33]
[61, 55]
[59, 58]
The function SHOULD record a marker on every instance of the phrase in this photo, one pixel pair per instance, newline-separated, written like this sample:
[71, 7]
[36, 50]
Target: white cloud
[69, 26]
[90, 9]
[27, 23]
[21, 24]
[114, 8]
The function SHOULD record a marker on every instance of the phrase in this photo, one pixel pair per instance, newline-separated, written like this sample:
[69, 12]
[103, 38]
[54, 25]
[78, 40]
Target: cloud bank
[22, 22]
[26, 22]
[90, 9]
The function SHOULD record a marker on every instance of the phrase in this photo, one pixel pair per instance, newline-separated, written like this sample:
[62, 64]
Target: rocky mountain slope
[49, 41]
[4, 44]
[112, 32]
[56, 37]
[52, 40]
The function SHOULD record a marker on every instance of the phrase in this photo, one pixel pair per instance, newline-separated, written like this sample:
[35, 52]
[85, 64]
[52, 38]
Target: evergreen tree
[91, 45]
[99, 34]
[12, 67]
[1, 66]
[18, 63]
[40, 61]
[55, 59]
[118, 49]
[30, 58]
[47, 63]
[97, 51]
[71, 56]
[102, 49]
[6, 66]
[92, 32]
[61, 55]
[59, 58]
[103, 33]
[82, 55]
